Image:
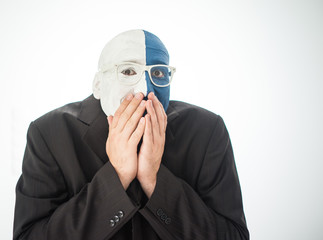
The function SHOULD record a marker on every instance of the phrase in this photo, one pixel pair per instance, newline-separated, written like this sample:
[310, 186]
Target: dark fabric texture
[69, 190]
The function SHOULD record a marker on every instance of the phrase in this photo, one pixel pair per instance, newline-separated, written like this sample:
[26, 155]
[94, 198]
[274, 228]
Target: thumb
[110, 119]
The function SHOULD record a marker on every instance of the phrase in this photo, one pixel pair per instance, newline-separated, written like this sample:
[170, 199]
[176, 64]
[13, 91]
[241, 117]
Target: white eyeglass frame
[144, 68]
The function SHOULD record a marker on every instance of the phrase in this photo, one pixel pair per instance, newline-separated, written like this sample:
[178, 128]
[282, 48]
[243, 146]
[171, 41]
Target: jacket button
[112, 223]
[159, 212]
[120, 214]
[116, 218]
[163, 217]
[168, 220]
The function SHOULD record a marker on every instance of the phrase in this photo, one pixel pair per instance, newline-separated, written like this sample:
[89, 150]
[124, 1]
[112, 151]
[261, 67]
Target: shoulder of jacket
[70, 110]
[184, 109]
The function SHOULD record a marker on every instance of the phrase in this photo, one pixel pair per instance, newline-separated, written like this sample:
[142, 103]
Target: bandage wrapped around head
[125, 67]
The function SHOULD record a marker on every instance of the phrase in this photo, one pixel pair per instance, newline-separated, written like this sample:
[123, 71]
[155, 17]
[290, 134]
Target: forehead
[134, 46]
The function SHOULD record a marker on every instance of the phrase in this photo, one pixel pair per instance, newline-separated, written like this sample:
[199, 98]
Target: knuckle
[114, 136]
[131, 122]
[135, 101]
[138, 112]
[111, 134]
[136, 135]
[126, 101]
[117, 113]
[126, 115]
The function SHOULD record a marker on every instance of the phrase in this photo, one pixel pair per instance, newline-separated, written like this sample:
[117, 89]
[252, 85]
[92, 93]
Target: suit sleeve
[45, 211]
[213, 210]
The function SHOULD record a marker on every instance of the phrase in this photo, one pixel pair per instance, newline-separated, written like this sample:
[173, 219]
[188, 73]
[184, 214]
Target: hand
[152, 147]
[125, 131]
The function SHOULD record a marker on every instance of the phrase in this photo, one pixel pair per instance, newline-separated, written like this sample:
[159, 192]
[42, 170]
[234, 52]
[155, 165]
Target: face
[137, 46]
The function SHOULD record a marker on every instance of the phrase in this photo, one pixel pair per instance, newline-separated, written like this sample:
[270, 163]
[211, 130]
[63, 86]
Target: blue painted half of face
[156, 53]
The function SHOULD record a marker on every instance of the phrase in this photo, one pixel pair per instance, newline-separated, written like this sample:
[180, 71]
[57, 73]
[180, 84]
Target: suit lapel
[96, 136]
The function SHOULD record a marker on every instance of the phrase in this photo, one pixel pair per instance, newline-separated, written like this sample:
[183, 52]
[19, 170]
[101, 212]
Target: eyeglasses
[130, 73]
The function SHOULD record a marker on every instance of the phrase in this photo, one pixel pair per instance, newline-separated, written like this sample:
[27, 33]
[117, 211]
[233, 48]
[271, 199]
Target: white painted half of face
[126, 47]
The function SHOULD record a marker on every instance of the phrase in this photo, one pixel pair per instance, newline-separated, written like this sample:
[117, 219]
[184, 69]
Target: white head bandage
[126, 47]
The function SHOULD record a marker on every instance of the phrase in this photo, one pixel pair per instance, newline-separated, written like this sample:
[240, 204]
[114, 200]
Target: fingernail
[129, 97]
[142, 103]
[138, 95]
[142, 120]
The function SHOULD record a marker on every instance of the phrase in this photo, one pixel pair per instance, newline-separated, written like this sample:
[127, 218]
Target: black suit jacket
[69, 190]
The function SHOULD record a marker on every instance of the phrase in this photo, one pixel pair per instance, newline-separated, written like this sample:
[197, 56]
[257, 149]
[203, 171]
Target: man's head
[117, 76]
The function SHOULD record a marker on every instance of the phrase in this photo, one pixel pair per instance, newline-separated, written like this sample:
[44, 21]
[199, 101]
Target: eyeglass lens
[130, 74]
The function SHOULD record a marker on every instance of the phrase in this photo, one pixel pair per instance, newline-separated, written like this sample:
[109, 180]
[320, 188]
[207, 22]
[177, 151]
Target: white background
[259, 64]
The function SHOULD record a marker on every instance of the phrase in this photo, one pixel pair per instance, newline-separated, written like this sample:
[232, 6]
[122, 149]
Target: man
[143, 175]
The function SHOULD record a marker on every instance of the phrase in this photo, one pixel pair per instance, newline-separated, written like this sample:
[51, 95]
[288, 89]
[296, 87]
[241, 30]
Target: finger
[132, 123]
[121, 109]
[159, 111]
[160, 114]
[164, 116]
[148, 134]
[153, 118]
[130, 109]
[137, 134]
[110, 119]
[151, 97]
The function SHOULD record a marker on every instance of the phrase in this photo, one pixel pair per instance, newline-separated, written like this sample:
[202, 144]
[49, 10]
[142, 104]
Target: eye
[129, 72]
[158, 73]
